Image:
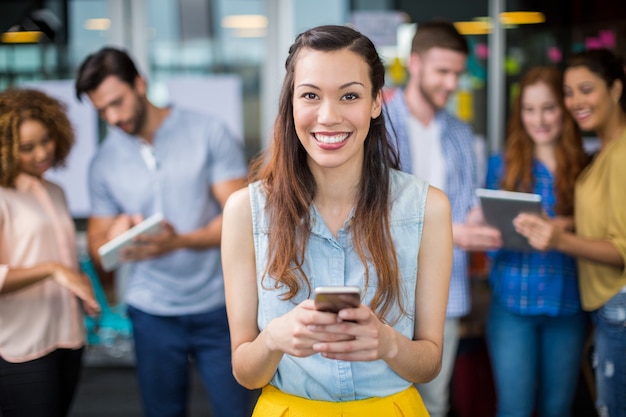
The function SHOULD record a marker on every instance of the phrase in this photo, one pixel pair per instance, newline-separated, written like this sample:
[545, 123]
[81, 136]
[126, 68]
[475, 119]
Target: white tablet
[110, 251]
[501, 207]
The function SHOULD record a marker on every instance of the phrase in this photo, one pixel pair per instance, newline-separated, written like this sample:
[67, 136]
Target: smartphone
[335, 298]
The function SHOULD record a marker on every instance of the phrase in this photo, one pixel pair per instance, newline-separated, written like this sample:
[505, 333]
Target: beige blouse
[35, 227]
[600, 213]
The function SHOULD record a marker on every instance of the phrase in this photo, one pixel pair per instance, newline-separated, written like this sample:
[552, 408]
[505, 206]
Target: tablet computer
[501, 207]
[110, 252]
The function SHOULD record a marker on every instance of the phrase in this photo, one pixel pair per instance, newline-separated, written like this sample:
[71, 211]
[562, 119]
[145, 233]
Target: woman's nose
[329, 113]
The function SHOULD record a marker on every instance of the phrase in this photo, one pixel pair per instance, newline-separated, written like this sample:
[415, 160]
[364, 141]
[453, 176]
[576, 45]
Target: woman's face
[587, 98]
[36, 148]
[333, 106]
[542, 116]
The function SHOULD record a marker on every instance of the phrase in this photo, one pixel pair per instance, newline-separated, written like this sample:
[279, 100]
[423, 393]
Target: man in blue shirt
[184, 165]
[436, 146]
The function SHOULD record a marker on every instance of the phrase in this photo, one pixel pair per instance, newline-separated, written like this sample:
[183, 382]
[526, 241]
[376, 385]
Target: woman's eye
[310, 96]
[350, 96]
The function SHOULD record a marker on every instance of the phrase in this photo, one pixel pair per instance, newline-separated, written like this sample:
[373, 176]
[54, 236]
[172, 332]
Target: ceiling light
[245, 21]
[522, 18]
[29, 36]
[473, 27]
[482, 26]
[97, 24]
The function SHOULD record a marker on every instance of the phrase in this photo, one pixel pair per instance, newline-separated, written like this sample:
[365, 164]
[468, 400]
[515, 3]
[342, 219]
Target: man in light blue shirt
[184, 165]
[426, 133]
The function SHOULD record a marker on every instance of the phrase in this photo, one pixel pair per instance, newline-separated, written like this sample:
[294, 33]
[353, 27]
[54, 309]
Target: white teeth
[583, 113]
[339, 137]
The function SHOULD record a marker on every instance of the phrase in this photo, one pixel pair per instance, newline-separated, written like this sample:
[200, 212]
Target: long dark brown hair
[519, 154]
[291, 187]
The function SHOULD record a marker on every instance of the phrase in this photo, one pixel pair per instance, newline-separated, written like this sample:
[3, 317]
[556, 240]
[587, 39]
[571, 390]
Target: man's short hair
[102, 64]
[438, 34]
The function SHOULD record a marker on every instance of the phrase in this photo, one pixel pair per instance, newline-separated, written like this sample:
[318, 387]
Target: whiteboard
[73, 177]
[218, 95]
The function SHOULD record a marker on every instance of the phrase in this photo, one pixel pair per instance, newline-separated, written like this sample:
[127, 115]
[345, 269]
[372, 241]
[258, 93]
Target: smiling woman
[535, 315]
[594, 84]
[330, 181]
[41, 321]
[34, 130]
[333, 106]
[36, 148]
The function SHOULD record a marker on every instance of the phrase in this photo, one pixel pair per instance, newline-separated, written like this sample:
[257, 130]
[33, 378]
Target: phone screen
[334, 299]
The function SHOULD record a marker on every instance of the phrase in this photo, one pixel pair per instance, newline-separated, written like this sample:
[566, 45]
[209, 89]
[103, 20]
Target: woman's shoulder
[239, 201]
[405, 179]
[619, 150]
[405, 185]
[409, 192]
[613, 158]
[437, 201]
[496, 159]
[495, 169]
[52, 186]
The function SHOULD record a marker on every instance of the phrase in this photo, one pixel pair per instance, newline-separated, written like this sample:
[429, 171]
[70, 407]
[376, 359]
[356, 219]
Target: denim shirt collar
[319, 228]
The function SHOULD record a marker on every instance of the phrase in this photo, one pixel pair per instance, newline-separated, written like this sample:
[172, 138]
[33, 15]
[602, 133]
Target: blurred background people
[329, 207]
[438, 147]
[536, 327]
[594, 83]
[184, 165]
[42, 291]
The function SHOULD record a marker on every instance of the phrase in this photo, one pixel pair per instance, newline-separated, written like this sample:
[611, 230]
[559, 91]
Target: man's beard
[428, 97]
[138, 120]
[426, 94]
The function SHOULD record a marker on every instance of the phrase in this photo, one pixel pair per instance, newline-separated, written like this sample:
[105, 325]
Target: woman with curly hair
[536, 327]
[42, 333]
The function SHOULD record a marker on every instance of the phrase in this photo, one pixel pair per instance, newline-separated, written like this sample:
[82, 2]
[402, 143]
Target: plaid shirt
[461, 182]
[533, 283]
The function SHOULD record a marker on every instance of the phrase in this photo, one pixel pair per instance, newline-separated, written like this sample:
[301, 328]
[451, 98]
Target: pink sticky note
[482, 51]
[607, 38]
[593, 43]
[554, 54]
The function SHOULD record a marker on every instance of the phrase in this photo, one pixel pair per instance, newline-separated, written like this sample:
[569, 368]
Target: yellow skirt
[275, 403]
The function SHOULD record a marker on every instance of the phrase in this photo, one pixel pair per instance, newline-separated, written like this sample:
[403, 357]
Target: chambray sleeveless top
[334, 261]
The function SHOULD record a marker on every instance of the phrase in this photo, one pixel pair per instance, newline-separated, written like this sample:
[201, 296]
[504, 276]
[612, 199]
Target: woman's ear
[377, 105]
[617, 89]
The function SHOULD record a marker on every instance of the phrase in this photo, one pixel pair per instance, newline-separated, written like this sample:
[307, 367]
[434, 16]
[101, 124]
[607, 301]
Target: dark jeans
[164, 348]
[42, 387]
